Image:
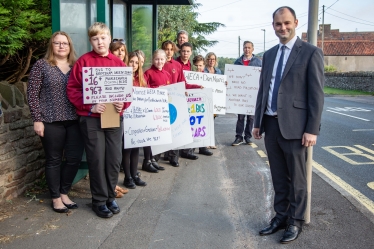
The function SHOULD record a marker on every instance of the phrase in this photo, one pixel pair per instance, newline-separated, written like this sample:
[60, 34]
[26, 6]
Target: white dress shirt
[287, 51]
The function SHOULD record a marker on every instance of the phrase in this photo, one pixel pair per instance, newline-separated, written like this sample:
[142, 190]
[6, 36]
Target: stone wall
[362, 81]
[21, 152]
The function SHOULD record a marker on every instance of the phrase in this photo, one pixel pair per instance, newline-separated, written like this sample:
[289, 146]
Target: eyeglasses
[58, 44]
[119, 40]
[211, 59]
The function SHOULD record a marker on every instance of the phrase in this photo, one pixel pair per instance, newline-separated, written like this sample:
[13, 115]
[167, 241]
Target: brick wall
[21, 152]
[362, 81]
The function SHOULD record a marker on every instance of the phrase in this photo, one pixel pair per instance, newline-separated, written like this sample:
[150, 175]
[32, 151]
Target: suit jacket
[300, 95]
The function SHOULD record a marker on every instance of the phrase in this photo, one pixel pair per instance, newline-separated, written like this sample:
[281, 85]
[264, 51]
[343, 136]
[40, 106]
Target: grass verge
[335, 91]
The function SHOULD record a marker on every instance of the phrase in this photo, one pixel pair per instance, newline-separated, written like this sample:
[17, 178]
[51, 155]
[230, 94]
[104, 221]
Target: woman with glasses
[55, 119]
[118, 48]
[211, 63]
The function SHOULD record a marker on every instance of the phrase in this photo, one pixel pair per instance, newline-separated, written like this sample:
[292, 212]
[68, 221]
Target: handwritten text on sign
[147, 121]
[107, 84]
[200, 108]
[179, 118]
[242, 88]
[216, 82]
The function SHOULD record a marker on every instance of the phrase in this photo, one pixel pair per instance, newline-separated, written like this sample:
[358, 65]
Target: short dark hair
[198, 58]
[186, 44]
[285, 7]
[245, 42]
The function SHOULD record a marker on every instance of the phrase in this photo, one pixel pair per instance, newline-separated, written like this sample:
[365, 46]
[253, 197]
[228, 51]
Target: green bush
[330, 69]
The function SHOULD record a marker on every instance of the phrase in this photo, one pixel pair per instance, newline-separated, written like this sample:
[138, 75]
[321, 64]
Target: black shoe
[205, 151]
[147, 166]
[139, 182]
[113, 207]
[157, 157]
[102, 211]
[174, 163]
[71, 206]
[247, 140]
[189, 156]
[156, 165]
[237, 141]
[275, 225]
[290, 234]
[129, 183]
[59, 210]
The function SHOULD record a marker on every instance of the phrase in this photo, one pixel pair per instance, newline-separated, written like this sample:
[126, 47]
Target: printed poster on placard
[107, 84]
[200, 108]
[216, 82]
[179, 118]
[242, 88]
[146, 121]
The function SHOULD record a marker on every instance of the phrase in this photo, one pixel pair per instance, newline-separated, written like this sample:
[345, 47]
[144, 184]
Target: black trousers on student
[62, 138]
[247, 128]
[104, 155]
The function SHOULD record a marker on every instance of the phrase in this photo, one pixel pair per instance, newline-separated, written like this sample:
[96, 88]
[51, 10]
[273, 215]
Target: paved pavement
[220, 201]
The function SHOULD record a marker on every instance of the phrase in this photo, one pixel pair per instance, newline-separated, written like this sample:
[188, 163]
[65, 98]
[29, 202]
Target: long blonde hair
[50, 57]
[142, 81]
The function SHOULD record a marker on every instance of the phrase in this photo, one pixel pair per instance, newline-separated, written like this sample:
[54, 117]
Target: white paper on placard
[147, 122]
[179, 119]
[242, 88]
[200, 108]
[216, 82]
[107, 84]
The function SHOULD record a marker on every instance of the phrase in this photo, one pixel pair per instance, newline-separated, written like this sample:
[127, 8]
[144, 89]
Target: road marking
[371, 185]
[261, 153]
[365, 149]
[349, 115]
[363, 130]
[349, 109]
[354, 152]
[254, 146]
[267, 162]
[369, 204]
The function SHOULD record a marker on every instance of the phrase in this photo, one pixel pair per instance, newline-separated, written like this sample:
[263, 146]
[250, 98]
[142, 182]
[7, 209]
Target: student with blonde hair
[103, 153]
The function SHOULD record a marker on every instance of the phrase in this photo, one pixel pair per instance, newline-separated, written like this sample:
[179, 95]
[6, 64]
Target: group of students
[67, 126]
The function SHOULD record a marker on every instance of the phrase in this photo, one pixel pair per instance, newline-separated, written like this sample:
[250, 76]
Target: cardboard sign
[242, 88]
[200, 108]
[216, 82]
[107, 84]
[147, 121]
[179, 119]
[110, 118]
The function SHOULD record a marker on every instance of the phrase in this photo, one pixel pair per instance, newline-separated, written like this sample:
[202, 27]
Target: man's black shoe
[157, 157]
[139, 182]
[129, 183]
[237, 141]
[113, 206]
[102, 211]
[290, 234]
[174, 163]
[156, 165]
[205, 151]
[189, 156]
[247, 140]
[275, 225]
[147, 166]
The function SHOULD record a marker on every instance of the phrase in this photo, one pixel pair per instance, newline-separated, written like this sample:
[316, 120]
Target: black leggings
[147, 153]
[61, 138]
[130, 158]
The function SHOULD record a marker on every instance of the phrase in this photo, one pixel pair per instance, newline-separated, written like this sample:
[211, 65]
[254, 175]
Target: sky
[246, 18]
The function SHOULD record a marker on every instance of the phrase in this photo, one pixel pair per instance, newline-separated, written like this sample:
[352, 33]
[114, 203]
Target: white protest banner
[179, 118]
[147, 122]
[242, 88]
[216, 82]
[200, 107]
[107, 84]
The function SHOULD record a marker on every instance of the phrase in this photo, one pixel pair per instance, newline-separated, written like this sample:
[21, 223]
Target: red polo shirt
[157, 78]
[75, 85]
[135, 80]
[187, 66]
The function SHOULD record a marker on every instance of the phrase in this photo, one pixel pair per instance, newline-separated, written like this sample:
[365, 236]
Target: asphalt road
[217, 202]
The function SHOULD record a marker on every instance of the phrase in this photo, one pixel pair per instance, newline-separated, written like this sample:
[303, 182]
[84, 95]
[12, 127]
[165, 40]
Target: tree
[224, 60]
[25, 28]
[172, 18]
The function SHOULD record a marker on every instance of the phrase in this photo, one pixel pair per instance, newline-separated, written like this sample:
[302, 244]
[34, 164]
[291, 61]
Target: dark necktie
[277, 81]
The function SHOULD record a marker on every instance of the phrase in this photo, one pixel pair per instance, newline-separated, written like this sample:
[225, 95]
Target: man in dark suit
[288, 109]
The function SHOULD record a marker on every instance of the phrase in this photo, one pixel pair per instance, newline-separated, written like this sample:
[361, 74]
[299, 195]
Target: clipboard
[110, 118]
